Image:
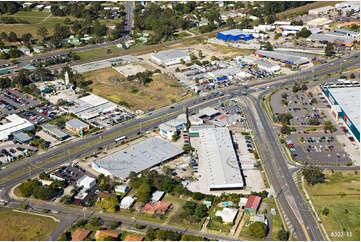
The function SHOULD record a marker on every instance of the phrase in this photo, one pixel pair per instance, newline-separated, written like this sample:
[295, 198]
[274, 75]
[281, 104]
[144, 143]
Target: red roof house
[252, 204]
[159, 207]
[79, 234]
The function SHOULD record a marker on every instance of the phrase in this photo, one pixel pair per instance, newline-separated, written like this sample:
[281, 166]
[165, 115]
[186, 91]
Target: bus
[121, 140]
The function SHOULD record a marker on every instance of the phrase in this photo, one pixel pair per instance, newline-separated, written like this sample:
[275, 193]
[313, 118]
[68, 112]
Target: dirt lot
[110, 84]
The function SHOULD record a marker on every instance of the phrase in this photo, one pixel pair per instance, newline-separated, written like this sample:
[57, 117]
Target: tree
[99, 29]
[182, 61]
[325, 211]
[66, 236]
[197, 196]
[26, 38]
[109, 203]
[213, 58]
[12, 37]
[144, 192]
[175, 136]
[189, 237]
[115, 224]
[304, 33]
[43, 32]
[352, 76]
[201, 211]
[150, 234]
[285, 129]
[313, 175]
[200, 54]
[283, 235]
[95, 221]
[329, 50]
[328, 126]
[230, 22]
[258, 229]
[268, 46]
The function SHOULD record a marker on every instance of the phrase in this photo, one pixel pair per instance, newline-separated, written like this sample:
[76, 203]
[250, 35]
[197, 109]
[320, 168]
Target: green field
[99, 53]
[21, 226]
[341, 195]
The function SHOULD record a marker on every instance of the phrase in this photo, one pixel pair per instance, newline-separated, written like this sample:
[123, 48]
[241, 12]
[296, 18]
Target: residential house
[79, 234]
[157, 208]
[252, 204]
[101, 234]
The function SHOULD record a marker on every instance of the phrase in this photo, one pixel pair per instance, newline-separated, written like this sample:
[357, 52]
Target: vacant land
[304, 8]
[110, 84]
[20, 226]
[341, 196]
[99, 53]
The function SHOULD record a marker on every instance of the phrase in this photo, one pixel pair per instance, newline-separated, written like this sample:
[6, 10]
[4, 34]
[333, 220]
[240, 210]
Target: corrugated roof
[139, 157]
[253, 202]
[76, 123]
[170, 54]
[297, 60]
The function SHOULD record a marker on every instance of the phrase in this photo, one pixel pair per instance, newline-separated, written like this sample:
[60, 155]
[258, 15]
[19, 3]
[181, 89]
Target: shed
[252, 204]
[127, 202]
[22, 137]
[157, 196]
[86, 181]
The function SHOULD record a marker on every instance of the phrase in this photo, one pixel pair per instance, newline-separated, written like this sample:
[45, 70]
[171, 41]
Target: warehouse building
[222, 166]
[234, 35]
[141, 156]
[76, 126]
[55, 132]
[86, 182]
[230, 72]
[169, 128]
[13, 124]
[291, 59]
[321, 10]
[345, 105]
[170, 57]
[318, 22]
[92, 106]
[262, 64]
[334, 38]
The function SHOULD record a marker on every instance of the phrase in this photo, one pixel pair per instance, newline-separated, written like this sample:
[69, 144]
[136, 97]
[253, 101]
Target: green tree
[43, 32]
[329, 50]
[258, 229]
[110, 203]
[352, 76]
[12, 37]
[313, 175]
[325, 211]
[283, 235]
[200, 54]
[189, 237]
[201, 211]
[144, 192]
[268, 46]
[328, 126]
[66, 236]
[285, 129]
[95, 221]
[150, 234]
[304, 33]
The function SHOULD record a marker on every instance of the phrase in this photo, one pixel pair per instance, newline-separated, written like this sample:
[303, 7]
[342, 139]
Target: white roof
[157, 195]
[85, 181]
[227, 214]
[208, 111]
[170, 55]
[15, 124]
[127, 202]
[348, 98]
[138, 157]
[223, 170]
[243, 201]
[121, 188]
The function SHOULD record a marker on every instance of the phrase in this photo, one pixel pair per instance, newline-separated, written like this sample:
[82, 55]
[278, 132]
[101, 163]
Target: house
[260, 218]
[73, 40]
[38, 49]
[203, 23]
[157, 196]
[130, 237]
[121, 189]
[103, 195]
[227, 214]
[25, 5]
[157, 208]
[127, 202]
[25, 50]
[101, 234]
[77, 126]
[79, 234]
[252, 204]
[86, 181]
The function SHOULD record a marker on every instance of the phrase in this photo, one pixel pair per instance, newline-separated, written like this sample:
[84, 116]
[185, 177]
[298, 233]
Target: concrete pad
[129, 70]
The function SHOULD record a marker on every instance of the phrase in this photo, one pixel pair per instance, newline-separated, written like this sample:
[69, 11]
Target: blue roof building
[234, 35]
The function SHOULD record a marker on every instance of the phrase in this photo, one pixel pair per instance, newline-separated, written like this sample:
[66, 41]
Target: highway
[276, 168]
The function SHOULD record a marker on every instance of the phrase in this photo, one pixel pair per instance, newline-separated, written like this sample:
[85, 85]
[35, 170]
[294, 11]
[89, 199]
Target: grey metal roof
[157, 195]
[297, 60]
[332, 37]
[76, 123]
[52, 129]
[139, 157]
[233, 32]
[349, 100]
[170, 54]
[223, 170]
[21, 137]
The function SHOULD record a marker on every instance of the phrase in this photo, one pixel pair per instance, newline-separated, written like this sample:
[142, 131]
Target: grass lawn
[245, 234]
[21, 226]
[276, 219]
[341, 195]
[182, 35]
[110, 84]
[99, 53]
[228, 49]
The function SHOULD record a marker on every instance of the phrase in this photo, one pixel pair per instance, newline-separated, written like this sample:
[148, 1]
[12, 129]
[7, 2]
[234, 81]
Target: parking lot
[319, 148]
[304, 106]
[14, 101]
[40, 115]
[10, 152]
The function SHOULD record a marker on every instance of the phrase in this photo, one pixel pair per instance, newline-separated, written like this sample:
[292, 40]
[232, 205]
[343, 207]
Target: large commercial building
[292, 59]
[345, 105]
[138, 157]
[13, 124]
[91, 106]
[334, 38]
[96, 65]
[234, 35]
[222, 166]
[170, 57]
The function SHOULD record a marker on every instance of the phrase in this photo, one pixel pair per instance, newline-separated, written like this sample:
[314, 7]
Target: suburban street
[276, 164]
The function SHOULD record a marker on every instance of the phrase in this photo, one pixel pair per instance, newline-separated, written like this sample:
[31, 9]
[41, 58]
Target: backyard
[22, 226]
[340, 195]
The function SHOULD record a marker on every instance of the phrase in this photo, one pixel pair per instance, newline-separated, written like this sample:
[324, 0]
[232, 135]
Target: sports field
[341, 196]
[20, 226]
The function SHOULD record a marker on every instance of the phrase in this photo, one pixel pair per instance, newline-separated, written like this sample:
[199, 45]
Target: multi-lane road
[276, 168]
